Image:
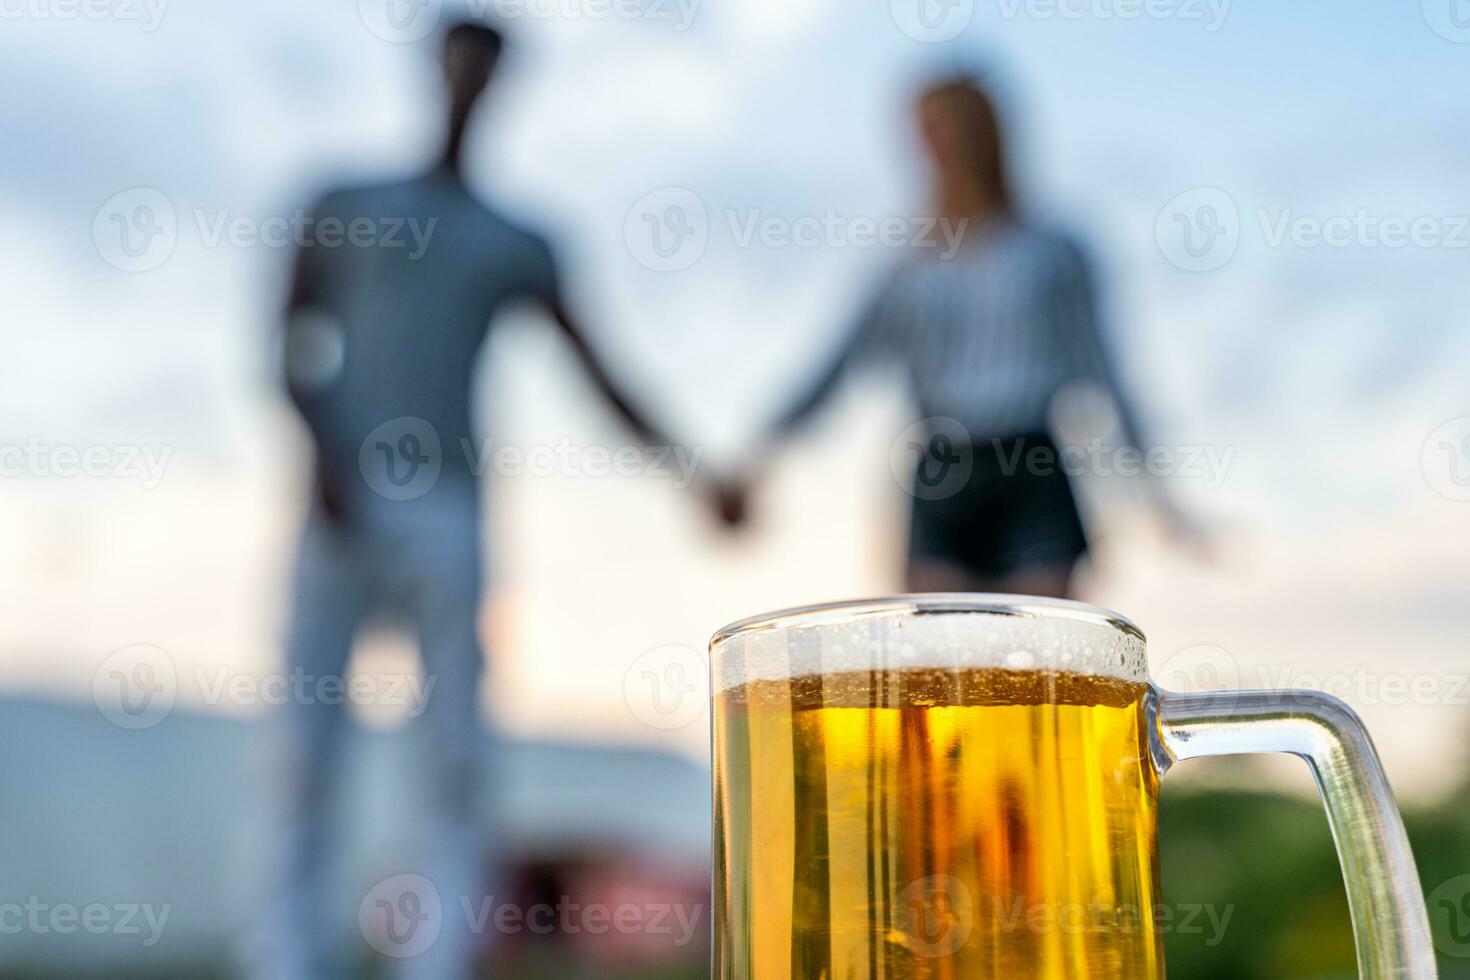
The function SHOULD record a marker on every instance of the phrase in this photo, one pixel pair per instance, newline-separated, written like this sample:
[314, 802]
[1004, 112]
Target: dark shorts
[1014, 511]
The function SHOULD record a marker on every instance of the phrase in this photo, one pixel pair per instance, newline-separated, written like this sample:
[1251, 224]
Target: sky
[1328, 369]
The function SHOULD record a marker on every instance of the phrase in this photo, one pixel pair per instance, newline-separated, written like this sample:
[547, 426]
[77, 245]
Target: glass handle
[1390, 924]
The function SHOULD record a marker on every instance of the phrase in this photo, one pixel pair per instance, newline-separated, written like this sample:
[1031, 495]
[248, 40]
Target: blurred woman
[988, 334]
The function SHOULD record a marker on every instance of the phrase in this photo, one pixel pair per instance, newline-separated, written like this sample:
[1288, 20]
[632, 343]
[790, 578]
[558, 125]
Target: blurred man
[388, 309]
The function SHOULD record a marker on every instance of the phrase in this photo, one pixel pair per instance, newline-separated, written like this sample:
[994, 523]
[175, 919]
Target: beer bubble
[1020, 660]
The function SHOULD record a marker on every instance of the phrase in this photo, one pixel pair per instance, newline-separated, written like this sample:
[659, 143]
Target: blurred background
[1275, 196]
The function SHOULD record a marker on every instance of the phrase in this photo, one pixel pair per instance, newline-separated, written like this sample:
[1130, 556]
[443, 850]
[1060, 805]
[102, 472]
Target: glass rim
[924, 604]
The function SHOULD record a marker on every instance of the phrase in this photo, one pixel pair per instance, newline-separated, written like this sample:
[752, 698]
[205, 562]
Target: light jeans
[419, 559]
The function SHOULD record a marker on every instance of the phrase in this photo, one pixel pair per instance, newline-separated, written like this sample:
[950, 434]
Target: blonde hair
[982, 181]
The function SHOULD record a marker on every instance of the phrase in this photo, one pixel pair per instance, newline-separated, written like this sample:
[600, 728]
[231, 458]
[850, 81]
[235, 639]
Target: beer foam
[930, 632]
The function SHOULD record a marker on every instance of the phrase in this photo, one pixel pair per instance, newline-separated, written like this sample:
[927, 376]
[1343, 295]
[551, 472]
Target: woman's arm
[876, 331]
[1073, 303]
[1078, 330]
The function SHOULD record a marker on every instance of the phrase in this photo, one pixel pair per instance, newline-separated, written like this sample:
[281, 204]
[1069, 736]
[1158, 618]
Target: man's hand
[329, 495]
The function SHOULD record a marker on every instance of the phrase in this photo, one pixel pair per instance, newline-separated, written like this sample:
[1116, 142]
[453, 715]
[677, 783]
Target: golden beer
[964, 786]
[934, 823]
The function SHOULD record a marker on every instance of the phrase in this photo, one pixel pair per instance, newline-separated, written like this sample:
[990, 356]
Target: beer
[934, 823]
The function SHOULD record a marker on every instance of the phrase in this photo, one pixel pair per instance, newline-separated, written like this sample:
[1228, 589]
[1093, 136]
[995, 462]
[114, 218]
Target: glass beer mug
[966, 786]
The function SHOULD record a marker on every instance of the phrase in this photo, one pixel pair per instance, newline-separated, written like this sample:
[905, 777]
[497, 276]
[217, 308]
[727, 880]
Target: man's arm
[305, 288]
[726, 497]
[306, 291]
[543, 283]
[644, 429]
